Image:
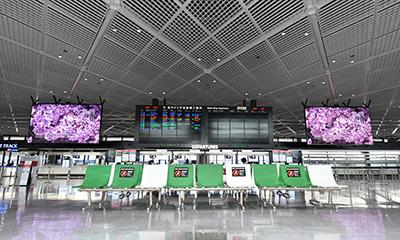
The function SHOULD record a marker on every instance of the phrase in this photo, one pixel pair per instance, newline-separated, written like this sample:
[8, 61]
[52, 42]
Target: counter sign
[238, 172]
[181, 172]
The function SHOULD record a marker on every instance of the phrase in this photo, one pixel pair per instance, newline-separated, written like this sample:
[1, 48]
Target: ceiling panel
[208, 52]
[185, 69]
[269, 14]
[115, 54]
[256, 56]
[185, 32]
[91, 12]
[19, 32]
[341, 12]
[159, 53]
[26, 12]
[229, 70]
[67, 30]
[212, 14]
[156, 13]
[125, 31]
[302, 57]
[145, 69]
[292, 37]
[237, 33]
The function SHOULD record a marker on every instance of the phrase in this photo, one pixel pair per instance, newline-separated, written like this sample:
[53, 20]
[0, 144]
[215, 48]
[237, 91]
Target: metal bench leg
[271, 203]
[89, 201]
[330, 201]
[241, 200]
[179, 200]
[150, 200]
[313, 200]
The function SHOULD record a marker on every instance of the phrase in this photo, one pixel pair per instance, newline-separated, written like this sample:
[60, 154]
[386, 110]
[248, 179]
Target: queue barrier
[185, 178]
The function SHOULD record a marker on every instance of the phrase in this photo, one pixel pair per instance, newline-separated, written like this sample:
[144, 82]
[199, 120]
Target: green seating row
[183, 176]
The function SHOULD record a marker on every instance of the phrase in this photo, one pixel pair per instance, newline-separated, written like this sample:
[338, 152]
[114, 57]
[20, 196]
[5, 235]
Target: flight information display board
[169, 124]
[239, 125]
[203, 124]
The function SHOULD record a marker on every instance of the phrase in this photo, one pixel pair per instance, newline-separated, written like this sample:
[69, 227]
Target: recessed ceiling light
[259, 94]
[59, 56]
[199, 59]
[101, 79]
[114, 29]
[306, 34]
[79, 56]
[246, 94]
[333, 61]
[85, 79]
[218, 59]
[323, 83]
[65, 91]
[308, 82]
[51, 91]
[163, 93]
[150, 92]
[340, 95]
[353, 95]
[283, 33]
[214, 81]
[198, 80]
[351, 61]
[139, 30]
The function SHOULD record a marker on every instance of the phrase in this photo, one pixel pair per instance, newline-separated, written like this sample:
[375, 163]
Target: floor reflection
[53, 211]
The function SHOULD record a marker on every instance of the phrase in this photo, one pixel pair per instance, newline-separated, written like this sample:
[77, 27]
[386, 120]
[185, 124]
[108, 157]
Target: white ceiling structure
[200, 52]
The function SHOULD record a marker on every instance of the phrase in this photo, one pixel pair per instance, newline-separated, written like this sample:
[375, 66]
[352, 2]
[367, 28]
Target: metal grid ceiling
[200, 52]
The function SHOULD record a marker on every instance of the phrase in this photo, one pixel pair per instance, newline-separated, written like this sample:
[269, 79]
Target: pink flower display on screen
[338, 125]
[65, 123]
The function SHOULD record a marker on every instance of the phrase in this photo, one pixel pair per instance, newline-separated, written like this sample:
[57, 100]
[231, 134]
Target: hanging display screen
[338, 125]
[65, 123]
[203, 124]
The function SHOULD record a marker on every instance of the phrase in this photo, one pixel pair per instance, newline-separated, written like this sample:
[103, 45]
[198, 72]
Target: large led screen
[65, 123]
[338, 125]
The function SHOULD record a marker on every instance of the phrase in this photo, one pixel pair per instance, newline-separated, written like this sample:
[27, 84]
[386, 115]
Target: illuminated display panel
[338, 125]
[65, 123]
[169, 123]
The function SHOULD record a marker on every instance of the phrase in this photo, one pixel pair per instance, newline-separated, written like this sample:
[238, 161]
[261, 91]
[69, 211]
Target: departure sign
[293, 172]
[169, 124]
[203, 125]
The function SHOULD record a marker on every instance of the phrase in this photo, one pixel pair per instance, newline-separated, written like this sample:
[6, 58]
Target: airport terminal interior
[200, 119]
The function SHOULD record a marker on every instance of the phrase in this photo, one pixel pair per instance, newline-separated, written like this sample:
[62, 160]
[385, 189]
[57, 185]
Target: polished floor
[53, 211]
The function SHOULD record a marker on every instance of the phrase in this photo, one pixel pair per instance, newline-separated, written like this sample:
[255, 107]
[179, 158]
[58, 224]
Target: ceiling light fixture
[246, 94]
[65, 92]
[333, 61]
[150, 92]
[101, 79]
[218, 59]
[214, 81]
[199, 59]
[59, 56]
[259, 94]
[306, 34]
[323, 83]
[139, 30]
[340, 95]
[51, 91]
[163, 93]
[353, 95]
[308, 82]
[85, 79]
[114, 30]
[352, 61]
[283, 33]
[198, 80]
[79, 57]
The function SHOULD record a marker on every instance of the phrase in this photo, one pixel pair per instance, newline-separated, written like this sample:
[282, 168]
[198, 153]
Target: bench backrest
[127, 176]
[266, 175]
[180, 176]
[209, 175]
